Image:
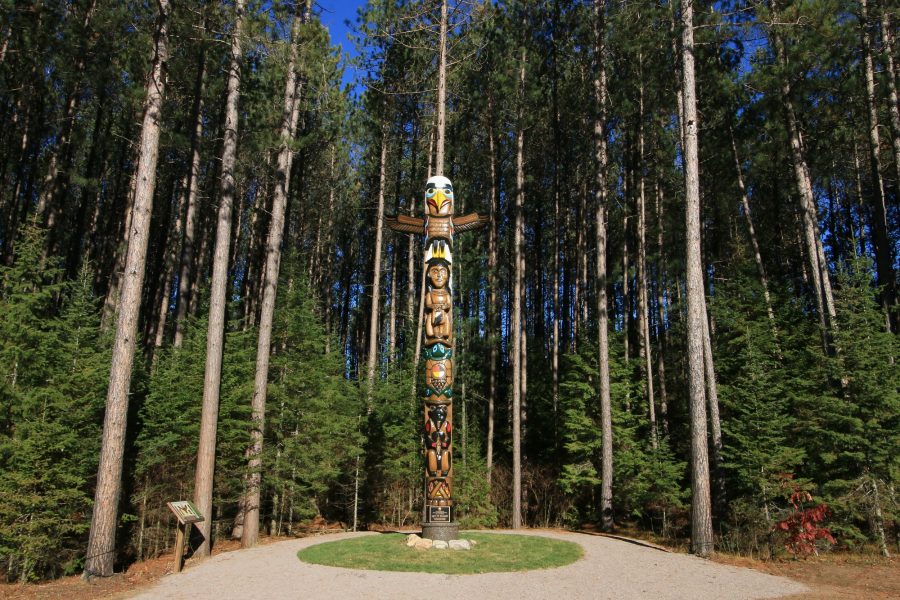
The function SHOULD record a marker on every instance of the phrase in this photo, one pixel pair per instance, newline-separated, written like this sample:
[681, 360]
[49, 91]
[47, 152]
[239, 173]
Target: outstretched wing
[406, 224]
[469, 222]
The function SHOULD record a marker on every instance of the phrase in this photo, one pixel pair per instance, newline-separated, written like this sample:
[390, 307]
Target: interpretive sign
[185, 511]
[187, 514]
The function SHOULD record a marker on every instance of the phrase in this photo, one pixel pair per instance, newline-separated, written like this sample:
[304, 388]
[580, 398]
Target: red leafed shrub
[803, 524]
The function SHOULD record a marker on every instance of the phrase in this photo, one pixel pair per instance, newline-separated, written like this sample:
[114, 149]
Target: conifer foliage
[587, 357]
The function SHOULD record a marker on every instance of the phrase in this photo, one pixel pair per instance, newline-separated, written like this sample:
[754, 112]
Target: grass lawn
[492, 553]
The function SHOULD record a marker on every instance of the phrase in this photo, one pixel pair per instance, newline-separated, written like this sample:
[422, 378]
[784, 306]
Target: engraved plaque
[438, 514]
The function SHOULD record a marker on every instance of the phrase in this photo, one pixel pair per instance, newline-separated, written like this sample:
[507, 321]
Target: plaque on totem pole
[438, 226]
[438, 514]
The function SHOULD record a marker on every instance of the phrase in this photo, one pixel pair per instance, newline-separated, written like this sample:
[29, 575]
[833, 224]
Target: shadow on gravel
[641, 543]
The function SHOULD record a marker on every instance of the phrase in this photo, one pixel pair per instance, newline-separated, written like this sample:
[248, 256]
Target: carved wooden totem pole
[438, 227]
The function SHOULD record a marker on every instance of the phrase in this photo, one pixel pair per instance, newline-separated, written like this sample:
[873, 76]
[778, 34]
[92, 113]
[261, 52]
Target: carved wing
[469, 222]
[406, 224]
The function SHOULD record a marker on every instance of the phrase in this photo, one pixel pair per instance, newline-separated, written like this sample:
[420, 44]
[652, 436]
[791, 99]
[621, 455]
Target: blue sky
[335, 15]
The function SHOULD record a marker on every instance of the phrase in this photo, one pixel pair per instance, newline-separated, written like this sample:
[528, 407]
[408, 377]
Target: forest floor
[834, 576]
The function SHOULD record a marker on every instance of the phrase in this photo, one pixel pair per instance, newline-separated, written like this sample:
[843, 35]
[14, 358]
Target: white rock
[460, 545]
[412, 539]
[423, 544]
[440, 545]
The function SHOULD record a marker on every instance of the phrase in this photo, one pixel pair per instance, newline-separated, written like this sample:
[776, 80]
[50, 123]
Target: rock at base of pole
[441, 531]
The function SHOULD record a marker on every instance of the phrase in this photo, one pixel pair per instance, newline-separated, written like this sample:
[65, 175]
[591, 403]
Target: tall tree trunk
[289, 116]
[441, 105]
[646, 353]
[715, 423]
[701, 511]
[392, 312]
[192, 189]
[887, 37]
[493, 308]
[884, 253]
[215, 335]
[820, 278]
[516, 317]
[661, 296]
[102, 540]
[754, 242]
[168, 270]
[376, 275]
[606, 433]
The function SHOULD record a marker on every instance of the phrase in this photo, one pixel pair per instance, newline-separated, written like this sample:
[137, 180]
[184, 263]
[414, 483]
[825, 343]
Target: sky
[335, 15]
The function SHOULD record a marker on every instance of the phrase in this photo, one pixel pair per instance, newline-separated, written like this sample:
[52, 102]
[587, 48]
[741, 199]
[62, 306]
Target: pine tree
[53, 368]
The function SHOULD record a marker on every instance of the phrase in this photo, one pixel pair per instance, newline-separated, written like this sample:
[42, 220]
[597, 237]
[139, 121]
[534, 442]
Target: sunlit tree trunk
[441, 105]
[374, 315]
[646, 353]
[884, 252]
[516, 317]
[606, 434]
[215, 336]
[820, 279]
[101, 548]
[289, 116]
[493, 308]
[701, 510]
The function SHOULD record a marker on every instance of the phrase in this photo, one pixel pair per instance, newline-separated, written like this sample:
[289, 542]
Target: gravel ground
[610, 568]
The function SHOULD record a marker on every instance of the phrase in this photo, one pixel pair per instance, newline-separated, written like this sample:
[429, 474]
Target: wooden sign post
[438, 226]
[187, 514]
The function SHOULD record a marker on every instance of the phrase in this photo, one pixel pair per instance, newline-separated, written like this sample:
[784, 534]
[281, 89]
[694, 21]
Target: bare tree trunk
[606, 434]
[376, 277]
[392, 313]
[168, 271]
[289, 116]
[626, 304]
[887, 36]
[712, 400]
[516, 317]
[212, 380]
[493, 309]
[646, 353]
[754, 242]
[192, 189]
[701, 517]
[113, 293]
[441, 105]
[661, 295]
[102, 540]
[821, 281]
[884, 255]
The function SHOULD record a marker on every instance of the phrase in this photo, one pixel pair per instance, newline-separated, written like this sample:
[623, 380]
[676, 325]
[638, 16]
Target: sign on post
[187, 514]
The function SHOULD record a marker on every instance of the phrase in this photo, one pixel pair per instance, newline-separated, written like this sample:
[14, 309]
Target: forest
[681, 319]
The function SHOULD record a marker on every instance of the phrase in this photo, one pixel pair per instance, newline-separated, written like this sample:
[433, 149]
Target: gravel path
[610, 568]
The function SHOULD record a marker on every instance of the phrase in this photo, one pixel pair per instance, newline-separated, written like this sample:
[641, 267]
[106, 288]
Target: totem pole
[438, 227]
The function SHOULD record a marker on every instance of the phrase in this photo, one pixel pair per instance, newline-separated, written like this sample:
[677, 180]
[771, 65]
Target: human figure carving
[437, 431]
[438, 324]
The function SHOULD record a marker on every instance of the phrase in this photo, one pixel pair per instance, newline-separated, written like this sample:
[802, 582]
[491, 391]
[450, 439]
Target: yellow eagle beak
[440, 200]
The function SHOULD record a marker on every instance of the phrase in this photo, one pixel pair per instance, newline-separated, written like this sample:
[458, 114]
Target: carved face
[439, 197]
[438, 414]
[438, 275]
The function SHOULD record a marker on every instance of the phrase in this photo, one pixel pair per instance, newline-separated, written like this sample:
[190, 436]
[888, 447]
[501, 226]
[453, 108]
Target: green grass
[492, 553]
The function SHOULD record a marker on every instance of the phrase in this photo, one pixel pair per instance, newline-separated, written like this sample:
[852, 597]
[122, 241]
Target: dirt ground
[831, 577]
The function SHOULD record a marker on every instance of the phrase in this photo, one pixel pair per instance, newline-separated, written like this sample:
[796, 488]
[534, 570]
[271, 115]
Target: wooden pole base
[184, 533]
